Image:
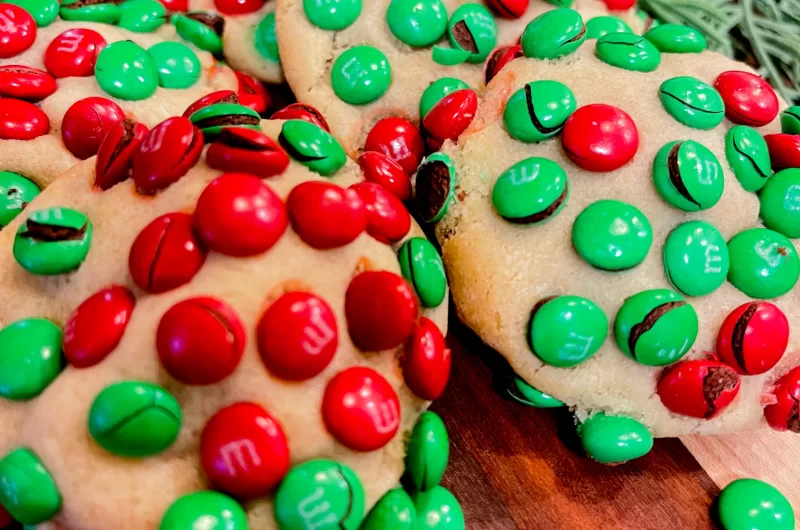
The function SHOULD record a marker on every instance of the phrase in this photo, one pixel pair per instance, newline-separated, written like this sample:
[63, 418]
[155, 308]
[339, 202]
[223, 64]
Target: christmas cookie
[255, 348]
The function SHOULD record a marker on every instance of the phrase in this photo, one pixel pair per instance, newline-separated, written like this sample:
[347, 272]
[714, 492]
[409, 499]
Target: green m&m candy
[424, 270]
[472, 28]
[538, 110]
[313, 147]
[204, 510]
[332, 15]
[126, 71]
[16, 192]
[103, 11]
[417, 22]
[780, 203]
[142, 16]
[53, 241]
[30, 358]
[790, 120]
[135, 419]
[321, 494]
[266, 39]
[603, 25]
[692, 102]
[612, 235]
[395, 511]
[764, 263]
[361, 75]
[438, 509]
[656, 327]
[566, 330]
[688, 176]
[676, 38]
[628, 51]
[436, 91]
[213, 118]
[696, 258]
[553, 34]
[428, 452]
[560, 3]
[750, 504]
[523, 393]
[202, 29]
[44, 12]
[436, 182]
[614, 439]
[449, 56]
[531, 191]
[27, 489]
[177, 64]
[748, 155]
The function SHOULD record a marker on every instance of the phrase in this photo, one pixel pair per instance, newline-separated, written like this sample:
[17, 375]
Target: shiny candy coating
[531, 191]
[427, 361]
[212, 119]
[748, 155]
[438, 509]
[784, 413]
[115, 156]
[24, 82]
[126, 71]
[499, 58]
[656, 327]
[177, 64]
[361, 75]
[600, 137]
[53, 241]
[525, 394]
[753, 338]
[20, 120]
[325, 215]
[17, 30]
[688, 175]
[142, 16]
[509, 8]
[301, 111]
[692, 102]
[472, 29]
[437, 91]
[238, 7]
[27, 489]
[267, 40]
[449, 118]
[604, 25]
[86, 124]
[417, 23]
[790, 120]
[553, 34]
[313, 147]
[538, 111]
[400, 141]
[237, 149]
[436, 182]
[202, 29]
[30, 359]
[750, 504]
[764, 263]
[388, 221]
[614, 439]
[628, 51]
[422, 266]
[428, 452]
[395, 510]
[74, 53]
[44, 12]
[784, 150]
[205, 509]
[565, 331]
[612, 235]
[90, 11]
[749, 98]
[696, 259]
[778, 198]
[166, 254]
[252, 93]
[380, 169]
[166, 154]
[176, 6]
[220, 96]
[698, 388]
[676, 38]
[16, 192]
[332, 15]
[96, 326]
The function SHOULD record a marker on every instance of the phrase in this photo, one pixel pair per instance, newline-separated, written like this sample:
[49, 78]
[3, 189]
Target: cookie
[214, 347]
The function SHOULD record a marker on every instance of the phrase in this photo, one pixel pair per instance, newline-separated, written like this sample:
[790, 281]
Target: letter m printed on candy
[317, 512]
[235, 456]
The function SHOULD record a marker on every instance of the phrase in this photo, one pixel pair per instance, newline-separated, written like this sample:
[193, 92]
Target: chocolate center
[463, 36]
[232, 138]
[717, 381]
[793, 422]
[227, 120]
[649, 321]
[213, 21]
[673, 165]
[739, 329]
[577, 37]
[52, 233]
[544, 214]
[433, 189]
[88, 3]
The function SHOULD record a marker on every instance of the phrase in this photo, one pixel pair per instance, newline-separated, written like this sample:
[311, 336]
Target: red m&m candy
[600, 137]
[86, 124]
[509, 8]
[753, 338]
[17, 30]
[784, 414]
[380, 169]
[619, 5]
[381, 310]
[220, 96]
[5, 518]
[427, 361]
[74, 53]
[238, 149]
[166, 154]
[450, 117]
[698, 388]
[498, 59]
[252, 93]
[24, 82]
[361, 409]
[115, 156]
[238, 7]
[325, 215]
[244, 451]
[399, 140]
[388, 220]
[749, 99]
[20, 120]
[176, 6]
[784, 150]
[301, 111]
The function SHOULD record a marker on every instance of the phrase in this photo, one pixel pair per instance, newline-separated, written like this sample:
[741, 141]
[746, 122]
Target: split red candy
[5, 518]
[784, 150]
[698, 388]
[23, 82]
[380, 169]
[297, 336]
[244, 451]
[237, 149]
[73, 53]
[450, 117]
[20, 120]
[17, 30]
[166, 254]
[220, 96]
[86, 124]
[252, 93]
[361, 409]
[176, 6]
[753, 338]
[238, 215]
[200, 341]
[381, 310]
[166, 154]
[325, 215]
[97, 325]
[498, 59]
[509, 8]
[600, 137]
[388, 220]
[784, 414]
[399, 140]
[238, 7]
[427, 361]
[115, 156]
[301, 111]
[749, 99]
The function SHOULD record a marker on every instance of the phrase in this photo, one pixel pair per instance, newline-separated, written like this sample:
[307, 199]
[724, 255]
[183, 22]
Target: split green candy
[538, 111]
[30, 358]
[135, 419]
[436, 183]
[423, 268]
[656, 327]
[267, 40]
[598, 26]
[428, 452]
[417, 23]
[16, 192]
[628, 51]
[676, 38]
[178, 66]
[750, 504]
[194, 27]
[313, 147]
[395, 511]
[780, 203]
[790, 120]
[361, 75]
[696, 258]
[53, 241]
[321, 494]
[332, 15]
[44, 12]
[553, 34]
[688, 176]
[523, 393]
[27, 489]
[213, 118]
[204, 510]
[764, 263]
[612, 235]
[126, 71]
[142, 16]
[748, 155]
[566, 330]
[472, 28]
[449, 56]
[692, 102]
[437, 509]
[614, 439]
[437, 91]
[531, 191]
[105, 13]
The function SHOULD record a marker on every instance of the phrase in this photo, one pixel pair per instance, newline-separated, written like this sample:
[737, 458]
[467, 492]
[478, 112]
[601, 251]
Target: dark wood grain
[513, 466]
